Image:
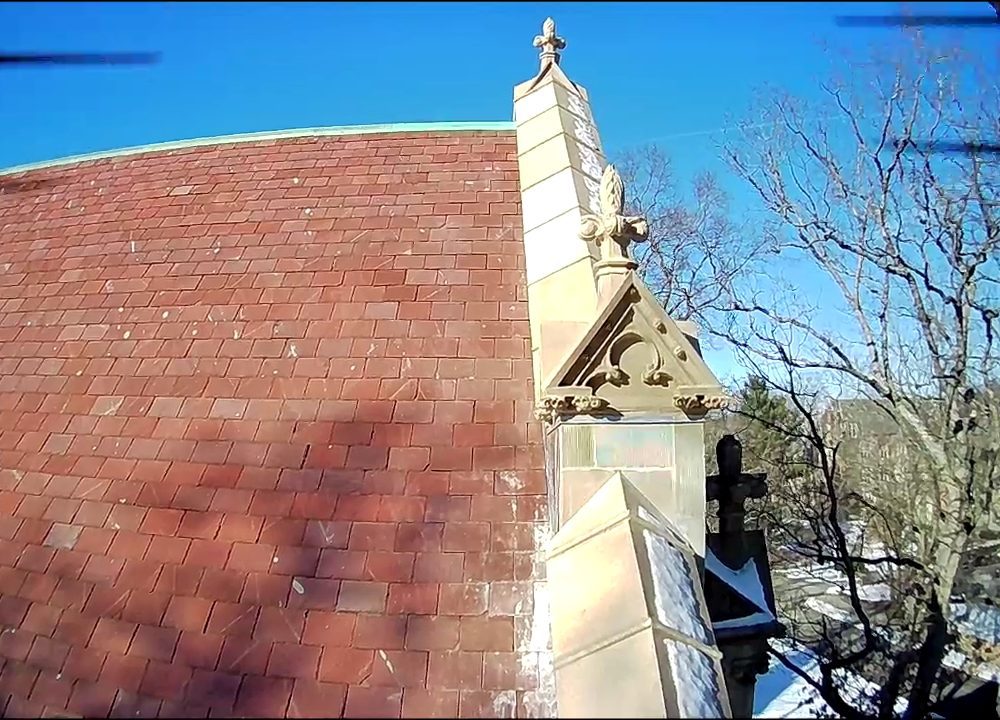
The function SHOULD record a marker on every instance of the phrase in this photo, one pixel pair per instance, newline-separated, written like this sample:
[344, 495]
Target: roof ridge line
[330, 131]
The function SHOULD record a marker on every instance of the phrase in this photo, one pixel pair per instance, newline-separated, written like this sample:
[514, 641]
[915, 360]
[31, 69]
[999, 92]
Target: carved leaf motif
[553, 407]
[658, 377]
[548, 41]
[655, 374]
[699, 402]
[607, 373]
[612, 192]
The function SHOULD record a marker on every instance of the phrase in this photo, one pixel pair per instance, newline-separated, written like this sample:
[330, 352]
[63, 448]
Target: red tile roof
[266, 441]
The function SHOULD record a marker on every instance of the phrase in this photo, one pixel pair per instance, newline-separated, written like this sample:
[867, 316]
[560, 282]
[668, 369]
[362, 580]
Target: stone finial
[549, 42]
[613, 232]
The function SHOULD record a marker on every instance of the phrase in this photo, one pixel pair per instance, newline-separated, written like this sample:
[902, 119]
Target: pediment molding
[633, 359]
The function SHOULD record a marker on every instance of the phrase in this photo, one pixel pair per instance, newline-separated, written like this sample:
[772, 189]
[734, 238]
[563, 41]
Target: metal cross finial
[549, 42]
[731, 486]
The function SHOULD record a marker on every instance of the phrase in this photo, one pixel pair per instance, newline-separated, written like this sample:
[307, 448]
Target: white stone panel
[589, 608]
[543, 162]
[553, 245]
[544, 126]
[556, 195]
[620, 681]
[547, 200]
[552, 122]
[689, 489]
[557, 154]
[534, 103]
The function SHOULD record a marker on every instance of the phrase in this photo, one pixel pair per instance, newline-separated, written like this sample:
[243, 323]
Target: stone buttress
[622, 390]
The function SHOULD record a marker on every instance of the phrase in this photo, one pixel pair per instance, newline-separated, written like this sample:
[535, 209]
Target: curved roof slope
[266, 443]
[258, 137]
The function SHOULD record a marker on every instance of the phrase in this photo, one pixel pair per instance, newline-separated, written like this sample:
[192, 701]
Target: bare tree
[695, 253]
[893, 297]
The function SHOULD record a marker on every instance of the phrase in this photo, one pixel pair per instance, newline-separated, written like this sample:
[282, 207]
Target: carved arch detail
[634, 358]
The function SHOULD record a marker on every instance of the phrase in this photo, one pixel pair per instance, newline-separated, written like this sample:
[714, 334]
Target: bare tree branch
[893, 318]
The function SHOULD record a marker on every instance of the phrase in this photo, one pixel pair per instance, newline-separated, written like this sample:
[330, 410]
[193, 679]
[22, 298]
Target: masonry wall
[266, 434]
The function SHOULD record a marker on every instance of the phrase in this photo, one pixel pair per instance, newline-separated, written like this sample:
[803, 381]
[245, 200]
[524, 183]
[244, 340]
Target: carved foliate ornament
[550, 43]
[552, 407]
[611, 230]
[633, 359]
[699, 402]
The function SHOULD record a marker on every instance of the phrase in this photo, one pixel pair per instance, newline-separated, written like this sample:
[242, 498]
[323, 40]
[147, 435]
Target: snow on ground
[815, 573]
[781, 693]
[831, 611]
[876, 592]
[857, 542]
[829, 573]
[982, 621]
[863, 542]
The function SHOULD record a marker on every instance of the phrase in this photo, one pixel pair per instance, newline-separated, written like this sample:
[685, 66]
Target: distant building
[871, 443]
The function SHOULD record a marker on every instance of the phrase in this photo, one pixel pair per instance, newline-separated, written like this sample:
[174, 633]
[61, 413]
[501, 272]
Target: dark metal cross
[732, 487]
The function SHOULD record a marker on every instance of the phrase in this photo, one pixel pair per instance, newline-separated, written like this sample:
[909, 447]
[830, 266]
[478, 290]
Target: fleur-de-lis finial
[549, 42]
[613, 231]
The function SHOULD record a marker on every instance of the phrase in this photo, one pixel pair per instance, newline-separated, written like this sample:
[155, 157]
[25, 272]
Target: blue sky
[674, 73]
[670, 72]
